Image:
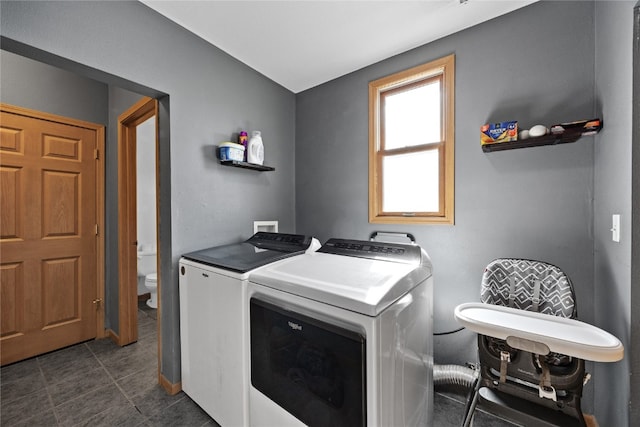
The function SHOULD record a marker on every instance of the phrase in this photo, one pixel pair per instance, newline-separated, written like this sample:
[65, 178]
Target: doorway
[130, 249]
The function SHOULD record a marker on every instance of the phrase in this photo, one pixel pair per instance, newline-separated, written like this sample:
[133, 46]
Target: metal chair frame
[510, 373]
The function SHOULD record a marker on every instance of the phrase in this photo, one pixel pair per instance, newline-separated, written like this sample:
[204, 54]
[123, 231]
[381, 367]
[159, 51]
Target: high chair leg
[472, 401]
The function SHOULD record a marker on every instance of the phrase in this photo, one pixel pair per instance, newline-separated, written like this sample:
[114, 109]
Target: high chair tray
[559, 334]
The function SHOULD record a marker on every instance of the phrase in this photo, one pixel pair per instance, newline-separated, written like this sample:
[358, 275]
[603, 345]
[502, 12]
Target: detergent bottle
[255, 149]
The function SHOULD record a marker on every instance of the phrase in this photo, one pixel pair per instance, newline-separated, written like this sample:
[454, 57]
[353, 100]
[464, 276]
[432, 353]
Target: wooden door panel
[47, 233]
[10, 205]
[60, 291]
[60, 147]
[60, 203]
[10, 140]
[11, 287]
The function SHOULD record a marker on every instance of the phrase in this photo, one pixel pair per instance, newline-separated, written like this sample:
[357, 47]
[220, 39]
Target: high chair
[531, 347]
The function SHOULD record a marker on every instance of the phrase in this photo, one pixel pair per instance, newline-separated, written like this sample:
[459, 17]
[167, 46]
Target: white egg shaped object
[538, 130]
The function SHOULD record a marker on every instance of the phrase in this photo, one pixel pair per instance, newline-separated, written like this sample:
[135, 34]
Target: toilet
[151, 282]
[147, 265]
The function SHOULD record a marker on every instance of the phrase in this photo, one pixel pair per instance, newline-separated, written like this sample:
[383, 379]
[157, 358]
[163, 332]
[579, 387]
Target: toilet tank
[146, 261]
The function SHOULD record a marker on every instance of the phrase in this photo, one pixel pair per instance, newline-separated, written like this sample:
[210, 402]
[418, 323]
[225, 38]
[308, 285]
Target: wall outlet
[268, 226]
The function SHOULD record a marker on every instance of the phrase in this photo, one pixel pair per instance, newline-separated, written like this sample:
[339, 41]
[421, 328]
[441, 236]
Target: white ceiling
[303, 43]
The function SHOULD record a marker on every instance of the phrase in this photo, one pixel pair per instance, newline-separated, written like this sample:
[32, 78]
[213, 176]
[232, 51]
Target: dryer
[342, 337]
[212, 288]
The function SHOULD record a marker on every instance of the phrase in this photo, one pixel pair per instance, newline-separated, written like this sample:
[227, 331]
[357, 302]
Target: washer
[212, 287]
[342, 337]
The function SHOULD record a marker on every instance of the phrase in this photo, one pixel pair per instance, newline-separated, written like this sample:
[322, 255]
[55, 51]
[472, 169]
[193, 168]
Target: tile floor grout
[114, 380]
[29, 387]
[128, 395]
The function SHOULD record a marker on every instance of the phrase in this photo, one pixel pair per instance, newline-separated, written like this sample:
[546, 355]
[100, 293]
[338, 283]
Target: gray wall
[534, 65]
[32, 84]
[635, 213]
[612, 194]
[546, 63]
[211, 97]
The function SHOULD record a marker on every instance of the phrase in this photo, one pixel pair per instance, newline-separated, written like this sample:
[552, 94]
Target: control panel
[279, 241]
[396, 252]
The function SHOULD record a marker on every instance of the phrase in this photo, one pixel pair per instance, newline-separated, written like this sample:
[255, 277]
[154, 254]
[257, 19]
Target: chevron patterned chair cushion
[512, 282]
[532, 286]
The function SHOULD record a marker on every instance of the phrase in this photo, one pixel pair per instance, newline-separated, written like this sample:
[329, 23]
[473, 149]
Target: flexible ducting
[453, 375]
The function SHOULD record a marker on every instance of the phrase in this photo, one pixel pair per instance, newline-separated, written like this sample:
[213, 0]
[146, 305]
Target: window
[411, 145]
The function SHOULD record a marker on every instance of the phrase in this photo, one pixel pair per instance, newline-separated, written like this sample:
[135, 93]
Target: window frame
[444, 69]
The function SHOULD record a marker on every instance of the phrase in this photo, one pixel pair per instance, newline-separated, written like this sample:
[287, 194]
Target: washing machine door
[314, 370]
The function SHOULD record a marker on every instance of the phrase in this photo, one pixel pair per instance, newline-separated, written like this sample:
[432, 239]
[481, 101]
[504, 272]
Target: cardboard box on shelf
[493, 133]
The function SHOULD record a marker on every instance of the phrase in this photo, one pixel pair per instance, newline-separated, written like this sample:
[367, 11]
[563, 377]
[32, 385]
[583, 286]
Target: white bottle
[255, 149]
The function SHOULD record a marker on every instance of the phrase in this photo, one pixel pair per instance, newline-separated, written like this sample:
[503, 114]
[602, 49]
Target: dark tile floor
[97, 383]
[449, 410]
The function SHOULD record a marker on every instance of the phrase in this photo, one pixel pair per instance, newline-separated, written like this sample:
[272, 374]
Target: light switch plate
[615, 227]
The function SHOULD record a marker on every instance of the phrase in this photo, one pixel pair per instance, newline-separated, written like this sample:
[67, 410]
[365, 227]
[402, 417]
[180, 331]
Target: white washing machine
[342, 337]
[212, 292]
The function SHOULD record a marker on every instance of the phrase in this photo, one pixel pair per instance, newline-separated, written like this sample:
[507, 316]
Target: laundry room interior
[541, 62]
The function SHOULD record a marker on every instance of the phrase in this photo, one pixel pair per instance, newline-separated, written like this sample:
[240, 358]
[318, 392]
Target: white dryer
[342, 337]
[212, 292]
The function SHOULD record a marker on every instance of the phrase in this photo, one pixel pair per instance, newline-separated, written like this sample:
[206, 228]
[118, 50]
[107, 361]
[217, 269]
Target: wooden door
[128, 122]
[48, 235]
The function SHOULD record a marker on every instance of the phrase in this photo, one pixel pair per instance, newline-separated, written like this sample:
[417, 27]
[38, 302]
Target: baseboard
[170, 387]
[113, 336]
[590, 420]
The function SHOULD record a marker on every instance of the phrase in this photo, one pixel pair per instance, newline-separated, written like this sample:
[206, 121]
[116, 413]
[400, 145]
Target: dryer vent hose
[453, 375]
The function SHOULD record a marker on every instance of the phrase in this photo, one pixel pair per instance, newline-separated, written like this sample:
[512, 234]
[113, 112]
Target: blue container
[231, 151]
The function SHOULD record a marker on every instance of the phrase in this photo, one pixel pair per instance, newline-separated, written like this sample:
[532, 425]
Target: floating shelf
[569, 135]
[245, 165]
